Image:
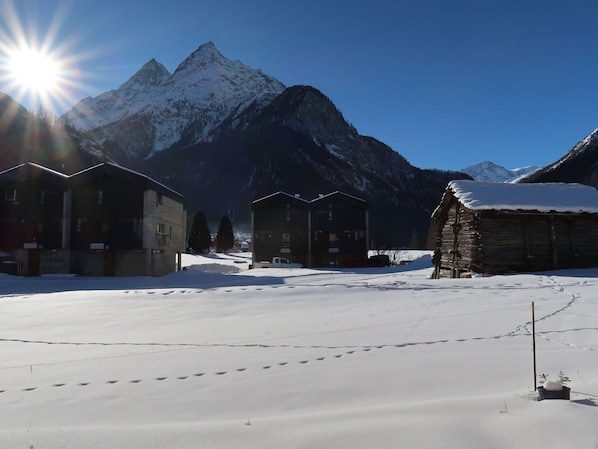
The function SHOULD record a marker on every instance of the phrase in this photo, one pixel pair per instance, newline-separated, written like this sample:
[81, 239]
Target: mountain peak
[206, 54]
[490, 172]
[204, 90]
[579, 164]
[207, 47]
[301, 107]
[151, 74]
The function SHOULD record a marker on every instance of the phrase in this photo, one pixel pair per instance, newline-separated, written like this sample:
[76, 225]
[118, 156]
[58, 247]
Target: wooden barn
[330, 230]
[494, 228]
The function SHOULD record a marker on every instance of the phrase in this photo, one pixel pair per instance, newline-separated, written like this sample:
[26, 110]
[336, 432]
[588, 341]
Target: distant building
[105, 220]
[501, 227]
[330, 230]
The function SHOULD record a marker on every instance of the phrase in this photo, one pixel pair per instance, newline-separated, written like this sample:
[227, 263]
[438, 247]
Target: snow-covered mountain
[224, 134]
[579, 164]
[154, 109]
[490, 172]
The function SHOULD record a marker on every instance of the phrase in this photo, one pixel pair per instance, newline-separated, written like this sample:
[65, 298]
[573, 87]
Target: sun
[34, 71]
[40, 56]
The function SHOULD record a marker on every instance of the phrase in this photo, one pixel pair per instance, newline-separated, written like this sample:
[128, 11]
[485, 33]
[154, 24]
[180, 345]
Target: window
[158, 199]
[100, 196]
[161, 234]
[333, 243]
[10, 195]
[286, 240]
[42, 198]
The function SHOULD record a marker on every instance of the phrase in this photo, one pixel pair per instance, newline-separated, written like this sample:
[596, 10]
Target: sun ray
[39, 66]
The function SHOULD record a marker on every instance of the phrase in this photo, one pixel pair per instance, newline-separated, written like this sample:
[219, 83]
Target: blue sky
[445, 84]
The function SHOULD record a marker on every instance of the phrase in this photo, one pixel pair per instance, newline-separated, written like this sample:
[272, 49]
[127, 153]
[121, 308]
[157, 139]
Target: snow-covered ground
[219, 356]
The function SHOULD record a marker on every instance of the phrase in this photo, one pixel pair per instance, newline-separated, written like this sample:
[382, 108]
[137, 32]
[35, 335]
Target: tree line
[200, 238]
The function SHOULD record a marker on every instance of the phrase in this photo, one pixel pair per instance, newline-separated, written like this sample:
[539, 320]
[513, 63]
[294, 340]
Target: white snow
[490, 172]
[204, 89]
[219, 356]
[543, 197]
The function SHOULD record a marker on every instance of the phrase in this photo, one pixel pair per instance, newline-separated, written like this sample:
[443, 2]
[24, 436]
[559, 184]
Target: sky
[445, 84]
[220, 356]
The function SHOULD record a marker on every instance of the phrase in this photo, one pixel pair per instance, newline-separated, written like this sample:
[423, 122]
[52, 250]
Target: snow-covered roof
[541, 197]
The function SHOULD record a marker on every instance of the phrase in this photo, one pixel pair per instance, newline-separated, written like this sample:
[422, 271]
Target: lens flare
[34, 71]
[38, 66]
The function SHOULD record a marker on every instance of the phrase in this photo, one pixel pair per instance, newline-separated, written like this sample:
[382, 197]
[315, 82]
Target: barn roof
[537, 197]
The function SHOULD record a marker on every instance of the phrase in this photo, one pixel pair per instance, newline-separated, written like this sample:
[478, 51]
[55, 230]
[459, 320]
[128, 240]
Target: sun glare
[34, 71]
[39, 66]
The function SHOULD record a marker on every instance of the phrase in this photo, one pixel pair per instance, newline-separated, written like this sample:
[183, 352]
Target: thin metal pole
[534, 344]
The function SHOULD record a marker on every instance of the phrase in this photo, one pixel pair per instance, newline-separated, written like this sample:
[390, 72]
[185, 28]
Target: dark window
[10, 195]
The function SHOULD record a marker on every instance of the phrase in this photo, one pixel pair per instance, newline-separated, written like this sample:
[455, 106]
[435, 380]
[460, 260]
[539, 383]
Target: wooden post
[534, 345]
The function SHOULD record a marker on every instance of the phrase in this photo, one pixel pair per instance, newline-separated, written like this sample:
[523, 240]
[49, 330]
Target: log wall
[495, 242]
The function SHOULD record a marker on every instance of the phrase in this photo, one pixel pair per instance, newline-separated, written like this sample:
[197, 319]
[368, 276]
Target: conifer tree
[225, 239]
[199, 235]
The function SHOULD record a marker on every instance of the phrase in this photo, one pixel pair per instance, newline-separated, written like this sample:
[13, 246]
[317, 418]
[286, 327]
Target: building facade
[105, 220]
[328, 231]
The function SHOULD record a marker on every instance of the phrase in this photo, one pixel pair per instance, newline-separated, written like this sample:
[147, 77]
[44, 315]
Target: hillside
[580, 164]
[224, 134]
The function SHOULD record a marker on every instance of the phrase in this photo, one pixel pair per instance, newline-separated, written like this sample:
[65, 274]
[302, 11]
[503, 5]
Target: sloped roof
[280, 194]
[537, 197]
[339, 194]
[32, 170]
[121, 172]
[301, 201]
[279, 198]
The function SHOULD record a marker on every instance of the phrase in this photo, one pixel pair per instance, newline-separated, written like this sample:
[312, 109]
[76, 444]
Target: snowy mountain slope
[579, 164]
[301, 143]
[224, 134]
[157, 107]
[490, 172]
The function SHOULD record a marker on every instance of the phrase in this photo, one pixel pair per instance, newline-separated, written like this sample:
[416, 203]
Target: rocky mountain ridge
[490, 172]
[153, 109]
[224, 134]
[579, 164]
